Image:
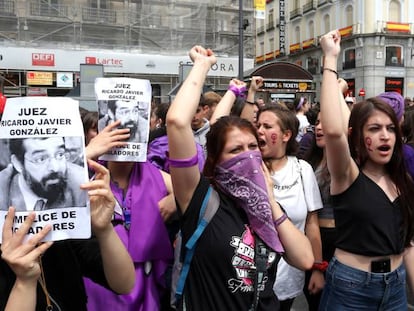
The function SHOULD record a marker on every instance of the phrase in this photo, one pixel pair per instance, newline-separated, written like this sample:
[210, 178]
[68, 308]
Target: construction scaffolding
[163, 27]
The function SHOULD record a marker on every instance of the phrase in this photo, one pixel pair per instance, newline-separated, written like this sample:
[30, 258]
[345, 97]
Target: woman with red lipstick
[372, 197]
[296, 189]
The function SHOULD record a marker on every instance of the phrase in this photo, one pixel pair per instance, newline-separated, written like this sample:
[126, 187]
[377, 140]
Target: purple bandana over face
[242, 179]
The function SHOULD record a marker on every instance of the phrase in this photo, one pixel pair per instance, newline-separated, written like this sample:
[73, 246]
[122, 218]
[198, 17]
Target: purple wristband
[183, 162]
[238, 92]
[280, 220]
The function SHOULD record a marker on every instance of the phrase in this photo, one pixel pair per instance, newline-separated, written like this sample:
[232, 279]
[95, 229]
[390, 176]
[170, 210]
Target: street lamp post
[241, 29]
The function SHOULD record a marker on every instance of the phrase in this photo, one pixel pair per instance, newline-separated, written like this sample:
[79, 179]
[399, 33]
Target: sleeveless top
[368, 223]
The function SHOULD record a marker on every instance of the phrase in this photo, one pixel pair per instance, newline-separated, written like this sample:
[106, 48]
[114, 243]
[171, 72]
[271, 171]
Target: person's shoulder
[408, 150]
[305, 165]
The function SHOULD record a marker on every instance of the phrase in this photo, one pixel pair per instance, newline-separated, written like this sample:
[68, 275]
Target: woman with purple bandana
[222, 274]
[145, 201]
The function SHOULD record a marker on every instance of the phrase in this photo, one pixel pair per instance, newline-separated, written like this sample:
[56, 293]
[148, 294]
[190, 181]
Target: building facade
[377, 41]
[44, 42]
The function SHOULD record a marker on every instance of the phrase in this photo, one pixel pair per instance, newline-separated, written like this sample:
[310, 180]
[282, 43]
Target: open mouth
[262, 143]
[384, 148]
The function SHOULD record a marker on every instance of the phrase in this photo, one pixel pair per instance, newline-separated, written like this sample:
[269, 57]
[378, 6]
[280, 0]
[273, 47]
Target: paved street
[300, 304]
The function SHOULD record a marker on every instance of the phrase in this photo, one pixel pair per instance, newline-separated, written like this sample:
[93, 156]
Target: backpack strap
[208, 209]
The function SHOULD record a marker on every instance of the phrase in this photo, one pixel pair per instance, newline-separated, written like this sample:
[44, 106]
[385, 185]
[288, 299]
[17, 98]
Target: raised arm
[249, 110]
[180, 136]
[345, 112]
[223, 108]
[342, 168]
[118, 266]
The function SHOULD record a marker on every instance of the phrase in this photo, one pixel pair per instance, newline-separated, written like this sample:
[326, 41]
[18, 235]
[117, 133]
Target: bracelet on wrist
[331, 70]
[280, 220]
[320, 266]
[249, 102]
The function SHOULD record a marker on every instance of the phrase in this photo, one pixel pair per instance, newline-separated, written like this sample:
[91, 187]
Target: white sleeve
[310, 187]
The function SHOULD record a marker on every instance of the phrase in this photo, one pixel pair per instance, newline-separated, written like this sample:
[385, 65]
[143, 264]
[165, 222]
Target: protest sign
[127, 100]
[47, 165]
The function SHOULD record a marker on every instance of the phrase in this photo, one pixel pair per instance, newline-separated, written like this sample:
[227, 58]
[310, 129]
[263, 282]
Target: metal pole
[241, 29]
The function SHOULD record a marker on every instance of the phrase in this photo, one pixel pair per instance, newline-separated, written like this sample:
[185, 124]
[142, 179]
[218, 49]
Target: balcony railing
[50, 10]
[98, 15]
[310, 6]
[296, 13]
[324, 2]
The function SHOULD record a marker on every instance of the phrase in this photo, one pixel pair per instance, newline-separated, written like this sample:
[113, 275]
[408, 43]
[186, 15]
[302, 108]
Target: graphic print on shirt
[243, 260]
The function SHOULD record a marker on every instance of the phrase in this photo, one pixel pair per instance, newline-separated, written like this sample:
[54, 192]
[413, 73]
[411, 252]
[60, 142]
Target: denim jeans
[348, 288]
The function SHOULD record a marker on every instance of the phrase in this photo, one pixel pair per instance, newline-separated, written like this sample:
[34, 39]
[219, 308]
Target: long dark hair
[216, 140]
[395, 167]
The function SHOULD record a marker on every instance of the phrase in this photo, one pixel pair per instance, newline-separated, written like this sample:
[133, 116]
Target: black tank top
[367, 222]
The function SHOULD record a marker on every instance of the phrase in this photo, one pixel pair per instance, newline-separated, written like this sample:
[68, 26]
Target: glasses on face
[125, 112]
[44, 158]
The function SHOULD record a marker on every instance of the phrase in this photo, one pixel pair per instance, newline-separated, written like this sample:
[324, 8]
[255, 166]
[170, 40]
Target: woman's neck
[120, 173]
[375, 171]
[277, 163]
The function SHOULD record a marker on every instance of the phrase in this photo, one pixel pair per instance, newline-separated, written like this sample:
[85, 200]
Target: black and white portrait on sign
[44, 174]
[45, 166]
[132, 114]
[127, 101]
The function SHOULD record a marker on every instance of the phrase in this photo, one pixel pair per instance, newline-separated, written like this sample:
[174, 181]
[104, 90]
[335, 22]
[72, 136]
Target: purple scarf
[242, 179]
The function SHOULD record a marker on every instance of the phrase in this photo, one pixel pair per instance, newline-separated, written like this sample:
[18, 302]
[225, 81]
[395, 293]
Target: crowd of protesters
[310, 199]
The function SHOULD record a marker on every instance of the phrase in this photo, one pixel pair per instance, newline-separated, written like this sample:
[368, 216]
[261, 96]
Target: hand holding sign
[110, 137]
[102, 201]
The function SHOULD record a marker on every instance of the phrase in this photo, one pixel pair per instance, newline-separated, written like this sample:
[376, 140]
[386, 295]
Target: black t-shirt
[64, 264]
[219, 277]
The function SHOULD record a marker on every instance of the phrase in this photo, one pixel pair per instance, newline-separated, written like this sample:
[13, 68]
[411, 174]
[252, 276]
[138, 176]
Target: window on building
[297, 34]
[326, 23]
[393, 56]
[99, 4]
[312, 65]
[311, 29]
[394, 85]
[394, 11]
[349, 15]
[270, 20]
[271, 44]
[349, 59]
[261, 49]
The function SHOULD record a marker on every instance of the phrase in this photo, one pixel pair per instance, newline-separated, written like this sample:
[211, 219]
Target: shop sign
[39, 78]
[43, 59]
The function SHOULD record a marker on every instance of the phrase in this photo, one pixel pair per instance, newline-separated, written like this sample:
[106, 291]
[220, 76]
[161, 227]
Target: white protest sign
[127, 100]
[46, 148]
